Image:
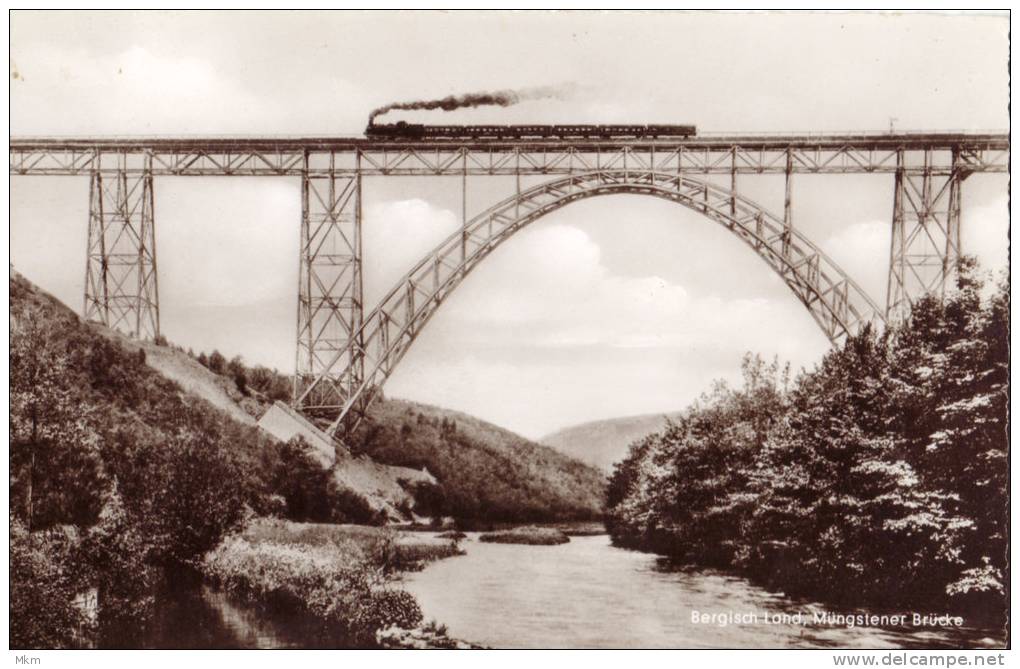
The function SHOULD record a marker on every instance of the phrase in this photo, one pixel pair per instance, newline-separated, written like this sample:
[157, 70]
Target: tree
[952, 365]
[217, 363]
[56, 473]
[183, 491]
[879, 477]
[118, 556]
[43, 586]
[236, 369]
[300, 479]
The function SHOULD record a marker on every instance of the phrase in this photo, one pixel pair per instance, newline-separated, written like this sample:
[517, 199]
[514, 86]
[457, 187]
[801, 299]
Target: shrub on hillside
[294, 474]
[347, 506]
[270, 385]
[309, 490]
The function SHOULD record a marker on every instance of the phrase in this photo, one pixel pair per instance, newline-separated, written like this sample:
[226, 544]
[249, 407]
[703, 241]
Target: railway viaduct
[345, 353]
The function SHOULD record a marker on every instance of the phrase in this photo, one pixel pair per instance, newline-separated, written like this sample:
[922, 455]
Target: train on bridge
[417, 131]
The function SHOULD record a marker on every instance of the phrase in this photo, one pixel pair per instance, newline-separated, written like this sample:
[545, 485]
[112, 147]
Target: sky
[611, 306]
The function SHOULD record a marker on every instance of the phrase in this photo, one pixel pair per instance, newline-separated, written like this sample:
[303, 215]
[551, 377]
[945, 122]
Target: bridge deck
[935, 153]
[863, 141]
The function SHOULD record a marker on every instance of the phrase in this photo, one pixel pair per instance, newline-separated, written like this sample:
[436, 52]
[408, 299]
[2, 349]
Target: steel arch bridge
[836, 302]
[344, 356]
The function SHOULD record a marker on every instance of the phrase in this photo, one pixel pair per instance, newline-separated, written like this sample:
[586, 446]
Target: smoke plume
[504, 98]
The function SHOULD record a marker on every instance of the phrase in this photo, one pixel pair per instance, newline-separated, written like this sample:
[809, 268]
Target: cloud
[859, 249]
[133, 91]
[985, 234]
[546, 325]
[143, 90]
[396, 235]
[548, 287]
[862, 249]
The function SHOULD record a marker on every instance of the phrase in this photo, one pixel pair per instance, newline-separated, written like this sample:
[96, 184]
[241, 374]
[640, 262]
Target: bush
[293, 473]
[393, 608]
[117, 557]
[348, 506]
[430, 500]
[43, 587]
[184, 493]
[345, 595]
[535, 536]
[270, 385]
[217, 363]
[309, 489]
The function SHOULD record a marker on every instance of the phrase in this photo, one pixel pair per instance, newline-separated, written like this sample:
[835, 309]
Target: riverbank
[341, 578]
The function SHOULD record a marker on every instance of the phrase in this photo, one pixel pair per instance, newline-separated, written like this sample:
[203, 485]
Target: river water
[584, 594]
[590, 594]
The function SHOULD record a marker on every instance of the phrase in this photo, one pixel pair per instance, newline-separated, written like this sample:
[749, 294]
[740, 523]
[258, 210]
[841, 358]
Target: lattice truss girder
[925, 244]
[330, 292]
[834, 300]
[121, 289]
[748, 155]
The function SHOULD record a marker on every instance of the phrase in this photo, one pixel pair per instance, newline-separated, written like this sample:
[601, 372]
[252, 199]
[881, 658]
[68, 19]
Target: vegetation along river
[583, 594]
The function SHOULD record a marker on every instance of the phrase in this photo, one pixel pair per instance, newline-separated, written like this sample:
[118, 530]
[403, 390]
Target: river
[584, 594]
[590, 594]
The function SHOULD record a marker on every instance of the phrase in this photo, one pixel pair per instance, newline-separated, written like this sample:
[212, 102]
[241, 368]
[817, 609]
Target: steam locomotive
[404, 130]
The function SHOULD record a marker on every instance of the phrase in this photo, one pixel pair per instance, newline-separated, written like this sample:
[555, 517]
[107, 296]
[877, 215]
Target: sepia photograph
[383, 330]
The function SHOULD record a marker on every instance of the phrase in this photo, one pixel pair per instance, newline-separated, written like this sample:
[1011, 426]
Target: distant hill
[602, 443]
[486, 473]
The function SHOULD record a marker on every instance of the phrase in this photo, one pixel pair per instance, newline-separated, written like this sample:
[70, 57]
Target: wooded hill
[603, 443]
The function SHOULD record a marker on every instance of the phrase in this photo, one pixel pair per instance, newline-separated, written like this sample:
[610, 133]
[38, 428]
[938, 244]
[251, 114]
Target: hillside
[602, 443]
[117, 476]
[191, 376]
[485, 473]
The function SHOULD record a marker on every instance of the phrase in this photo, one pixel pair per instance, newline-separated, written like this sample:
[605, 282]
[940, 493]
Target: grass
[390, 550]
[455, 535]
[582, 529]
[339, 575]
[536, 536]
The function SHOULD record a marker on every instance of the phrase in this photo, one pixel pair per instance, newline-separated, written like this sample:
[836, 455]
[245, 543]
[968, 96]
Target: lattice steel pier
[121, 288]
[344, 355]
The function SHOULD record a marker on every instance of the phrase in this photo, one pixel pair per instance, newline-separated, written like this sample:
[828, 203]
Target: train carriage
[417, 131]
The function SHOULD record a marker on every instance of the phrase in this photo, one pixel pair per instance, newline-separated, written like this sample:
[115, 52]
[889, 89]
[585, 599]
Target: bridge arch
[836, 302]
